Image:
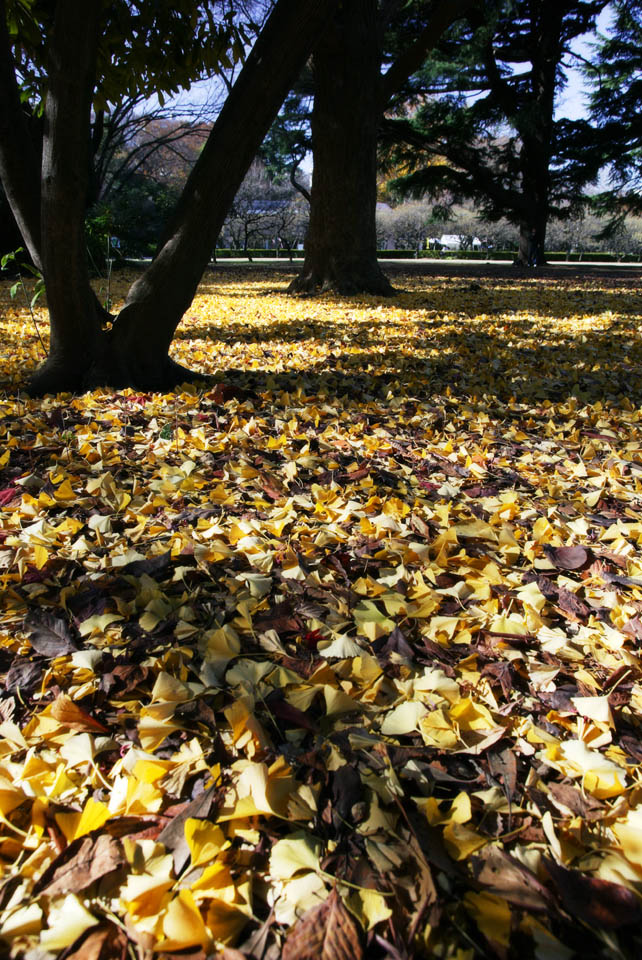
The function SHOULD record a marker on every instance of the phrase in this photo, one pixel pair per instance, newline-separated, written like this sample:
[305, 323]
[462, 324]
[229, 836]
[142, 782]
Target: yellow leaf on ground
[67, 920]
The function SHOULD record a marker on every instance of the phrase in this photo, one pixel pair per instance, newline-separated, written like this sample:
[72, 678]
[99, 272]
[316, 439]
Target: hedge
[554, 256]
[258, 254]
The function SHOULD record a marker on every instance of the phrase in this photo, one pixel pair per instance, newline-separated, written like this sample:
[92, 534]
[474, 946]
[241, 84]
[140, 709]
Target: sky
[572, 103]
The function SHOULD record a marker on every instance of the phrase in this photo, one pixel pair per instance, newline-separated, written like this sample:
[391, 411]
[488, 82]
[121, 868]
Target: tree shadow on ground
[483, 288]
[515, 337]
[550, 342]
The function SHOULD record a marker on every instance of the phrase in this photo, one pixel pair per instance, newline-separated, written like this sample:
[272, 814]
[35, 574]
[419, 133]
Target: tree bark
[341, 248]
[139, 342]
[75, 328]
[537, 131]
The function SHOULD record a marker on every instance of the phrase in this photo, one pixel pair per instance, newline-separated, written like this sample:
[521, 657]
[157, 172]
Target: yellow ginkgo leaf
[183, 924]
[67, 920]
[205, 840]
[491, 914]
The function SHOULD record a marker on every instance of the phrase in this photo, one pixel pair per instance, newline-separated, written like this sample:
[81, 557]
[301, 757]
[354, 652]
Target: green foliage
[254, 253]
[289, 139]
[133, 217]
[17, 260]
[484, 127]
[154, 49]
[616, 108]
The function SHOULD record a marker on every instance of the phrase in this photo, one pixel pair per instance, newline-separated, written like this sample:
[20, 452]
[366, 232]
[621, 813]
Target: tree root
[347, 284]
[113, 372]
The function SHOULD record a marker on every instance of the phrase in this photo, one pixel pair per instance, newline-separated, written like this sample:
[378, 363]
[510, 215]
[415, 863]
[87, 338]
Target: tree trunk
[75, 327]
[341, 247]
[537, 132]
[532, 236]
[534, 202]
[135, 351]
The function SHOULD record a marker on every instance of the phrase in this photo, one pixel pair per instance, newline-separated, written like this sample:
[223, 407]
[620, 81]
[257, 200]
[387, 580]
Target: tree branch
[157, 299]
[447, 12]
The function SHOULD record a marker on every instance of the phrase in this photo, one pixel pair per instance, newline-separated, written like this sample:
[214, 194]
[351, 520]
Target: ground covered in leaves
[340, 657]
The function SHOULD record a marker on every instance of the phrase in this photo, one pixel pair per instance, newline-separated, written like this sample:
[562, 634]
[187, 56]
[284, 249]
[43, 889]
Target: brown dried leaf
[597, 902]
[502, 875]
[574, 609]
[326, 932]
[66, 711]
[503, 767]
[24, 674]
[49, 635]
[106, 942]
[575, 800]
[82, 863]
[633, 628]
[173, 835]
[569, 558]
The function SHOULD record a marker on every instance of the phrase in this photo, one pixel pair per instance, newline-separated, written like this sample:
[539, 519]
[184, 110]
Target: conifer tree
[485, 127]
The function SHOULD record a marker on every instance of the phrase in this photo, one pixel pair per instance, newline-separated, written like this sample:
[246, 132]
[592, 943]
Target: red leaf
[7, 495]
[291, 716]
[66, 711]
[326, 932]
[223, 392]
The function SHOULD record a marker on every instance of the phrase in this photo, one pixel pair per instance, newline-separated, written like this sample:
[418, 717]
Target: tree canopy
[615, 74]
[485, 125]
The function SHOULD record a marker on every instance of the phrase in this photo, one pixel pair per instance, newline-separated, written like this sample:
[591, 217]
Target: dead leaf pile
[339, 657]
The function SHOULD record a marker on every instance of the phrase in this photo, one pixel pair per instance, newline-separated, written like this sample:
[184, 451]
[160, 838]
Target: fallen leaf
[49, 635]
[597, 902]
[326, 932]
[67, 712]
[82, 863]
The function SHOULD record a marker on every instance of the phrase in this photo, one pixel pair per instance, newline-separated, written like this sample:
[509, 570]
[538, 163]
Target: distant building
[454, 241]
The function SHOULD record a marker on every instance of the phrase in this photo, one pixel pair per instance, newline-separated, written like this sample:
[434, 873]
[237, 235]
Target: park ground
[337, 655]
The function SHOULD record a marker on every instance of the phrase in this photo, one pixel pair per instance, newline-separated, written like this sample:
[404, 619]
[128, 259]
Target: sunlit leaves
[351, 636]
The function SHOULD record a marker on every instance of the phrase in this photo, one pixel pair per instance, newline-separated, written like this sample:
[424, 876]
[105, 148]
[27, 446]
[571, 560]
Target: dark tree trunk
[534, 201]
[135, 350]
[532, 236]
[537, 132]
[75, 327]
[534, 160]
[341, 248]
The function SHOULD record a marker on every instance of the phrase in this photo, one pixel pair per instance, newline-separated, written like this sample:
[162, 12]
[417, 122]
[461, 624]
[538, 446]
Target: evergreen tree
[616, 107]
[355, 74]
[485, 129]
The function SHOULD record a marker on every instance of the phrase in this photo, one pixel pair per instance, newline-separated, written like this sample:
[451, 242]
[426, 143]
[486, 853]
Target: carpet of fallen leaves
[338, 657]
